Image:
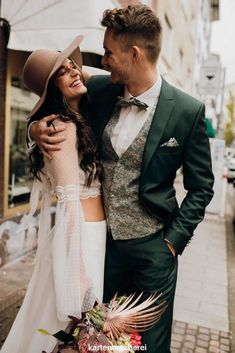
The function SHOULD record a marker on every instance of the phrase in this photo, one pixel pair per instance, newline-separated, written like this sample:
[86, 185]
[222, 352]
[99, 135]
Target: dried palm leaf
[129, 317]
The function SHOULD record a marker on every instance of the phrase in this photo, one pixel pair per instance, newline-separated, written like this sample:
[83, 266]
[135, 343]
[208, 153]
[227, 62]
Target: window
[21, 103]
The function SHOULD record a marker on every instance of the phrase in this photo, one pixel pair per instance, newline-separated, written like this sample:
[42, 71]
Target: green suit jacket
[178, 116]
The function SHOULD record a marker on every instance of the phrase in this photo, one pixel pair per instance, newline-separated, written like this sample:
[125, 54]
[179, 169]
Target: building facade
[179, 45]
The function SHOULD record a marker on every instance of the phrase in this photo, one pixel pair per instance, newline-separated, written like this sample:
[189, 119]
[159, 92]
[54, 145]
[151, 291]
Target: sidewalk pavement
[201, 315]
[14, 279]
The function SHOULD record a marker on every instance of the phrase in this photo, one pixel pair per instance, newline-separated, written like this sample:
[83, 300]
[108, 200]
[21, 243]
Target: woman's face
[68, 81]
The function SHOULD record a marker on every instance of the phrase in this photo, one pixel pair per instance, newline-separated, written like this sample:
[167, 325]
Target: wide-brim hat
[41, 66]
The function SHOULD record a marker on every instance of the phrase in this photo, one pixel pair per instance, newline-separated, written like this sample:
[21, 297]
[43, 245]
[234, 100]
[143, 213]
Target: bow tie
[123, 102]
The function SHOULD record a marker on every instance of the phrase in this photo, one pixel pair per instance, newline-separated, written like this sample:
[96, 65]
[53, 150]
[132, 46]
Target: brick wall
[125, 3]
[153, 4]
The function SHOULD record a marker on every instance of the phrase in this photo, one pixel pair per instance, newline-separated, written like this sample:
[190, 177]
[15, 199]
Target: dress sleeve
[73, 286]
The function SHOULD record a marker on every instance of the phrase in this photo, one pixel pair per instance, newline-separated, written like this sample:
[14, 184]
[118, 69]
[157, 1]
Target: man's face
[115, 59]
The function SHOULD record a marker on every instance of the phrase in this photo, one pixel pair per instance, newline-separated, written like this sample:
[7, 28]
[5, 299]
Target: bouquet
[110, 327]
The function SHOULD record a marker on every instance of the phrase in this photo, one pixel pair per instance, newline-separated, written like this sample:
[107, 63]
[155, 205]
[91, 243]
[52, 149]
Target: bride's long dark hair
[56, 104]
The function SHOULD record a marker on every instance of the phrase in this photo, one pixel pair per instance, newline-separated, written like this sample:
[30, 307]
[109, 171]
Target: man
[144, 139]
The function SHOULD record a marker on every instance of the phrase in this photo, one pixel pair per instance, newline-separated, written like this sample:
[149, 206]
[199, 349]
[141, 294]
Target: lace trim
[73, 193]
[67, 193]
[89, 194]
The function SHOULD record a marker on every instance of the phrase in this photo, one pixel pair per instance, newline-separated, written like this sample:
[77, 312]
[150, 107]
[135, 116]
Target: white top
[132, 119]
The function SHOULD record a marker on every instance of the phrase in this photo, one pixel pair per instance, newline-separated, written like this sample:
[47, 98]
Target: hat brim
[72, 51]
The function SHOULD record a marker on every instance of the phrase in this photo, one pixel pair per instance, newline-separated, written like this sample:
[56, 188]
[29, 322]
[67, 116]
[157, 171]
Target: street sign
[210, 77]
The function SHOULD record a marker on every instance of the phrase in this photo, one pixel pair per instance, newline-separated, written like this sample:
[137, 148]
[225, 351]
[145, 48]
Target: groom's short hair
[136, 25]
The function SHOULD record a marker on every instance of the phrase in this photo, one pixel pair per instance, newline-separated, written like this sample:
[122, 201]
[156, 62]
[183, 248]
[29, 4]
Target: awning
[211, 132]
[53, 24]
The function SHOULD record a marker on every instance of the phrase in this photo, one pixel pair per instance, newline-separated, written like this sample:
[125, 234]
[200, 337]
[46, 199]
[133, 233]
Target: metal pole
[4, 37]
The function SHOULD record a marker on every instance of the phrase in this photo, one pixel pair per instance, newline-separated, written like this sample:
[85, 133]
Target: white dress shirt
[132, 119]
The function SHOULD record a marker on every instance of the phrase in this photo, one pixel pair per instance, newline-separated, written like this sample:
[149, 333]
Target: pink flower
[135, 339]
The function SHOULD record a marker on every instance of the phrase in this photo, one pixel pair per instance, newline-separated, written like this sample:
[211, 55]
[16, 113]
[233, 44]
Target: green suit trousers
[144, 265]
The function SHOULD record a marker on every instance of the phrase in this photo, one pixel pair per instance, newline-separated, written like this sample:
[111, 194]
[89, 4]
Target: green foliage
[229, 132]
[44, 332]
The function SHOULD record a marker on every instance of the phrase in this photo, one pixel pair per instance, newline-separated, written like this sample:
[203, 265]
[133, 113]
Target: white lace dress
[69, 264]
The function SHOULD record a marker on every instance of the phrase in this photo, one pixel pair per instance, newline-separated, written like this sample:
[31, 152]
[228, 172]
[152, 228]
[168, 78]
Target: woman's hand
[47, 134]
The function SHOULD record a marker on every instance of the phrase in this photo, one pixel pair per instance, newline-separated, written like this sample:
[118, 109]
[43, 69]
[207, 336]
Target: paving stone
[213, 349]
[226, 348]
[189, 344]
[178, 338]
[201, 350]
[203, 337]
[224, 341]
[179, 330]
[175, 350]
[201, 343]
[187, 350]
[203, 330]
[190, 338]
[214, 343]
[215, 336]
[175, 344]
[191, 332]
[224, 334]
[192, 327]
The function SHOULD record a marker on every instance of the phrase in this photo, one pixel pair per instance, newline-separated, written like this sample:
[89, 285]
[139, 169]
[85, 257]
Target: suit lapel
[160, 119]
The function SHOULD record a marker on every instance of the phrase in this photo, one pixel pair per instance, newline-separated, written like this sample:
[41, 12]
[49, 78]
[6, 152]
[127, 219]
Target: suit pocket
[167, 248]
[169, 150]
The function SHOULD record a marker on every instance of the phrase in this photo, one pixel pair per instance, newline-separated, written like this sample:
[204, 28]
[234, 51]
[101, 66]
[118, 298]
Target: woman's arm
[72, 283]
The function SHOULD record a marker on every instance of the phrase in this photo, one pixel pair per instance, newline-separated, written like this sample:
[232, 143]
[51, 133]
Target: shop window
[19, 180]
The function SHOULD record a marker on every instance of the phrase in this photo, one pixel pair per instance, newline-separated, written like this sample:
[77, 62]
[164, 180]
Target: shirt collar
[149, 96]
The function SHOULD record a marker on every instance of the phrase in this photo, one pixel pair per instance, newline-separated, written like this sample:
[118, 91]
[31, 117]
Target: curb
[230, 231]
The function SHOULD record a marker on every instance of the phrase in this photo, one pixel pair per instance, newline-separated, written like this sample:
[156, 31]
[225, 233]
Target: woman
[68, 274]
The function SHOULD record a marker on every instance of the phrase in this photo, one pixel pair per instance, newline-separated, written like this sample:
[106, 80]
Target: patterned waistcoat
[126, 217]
